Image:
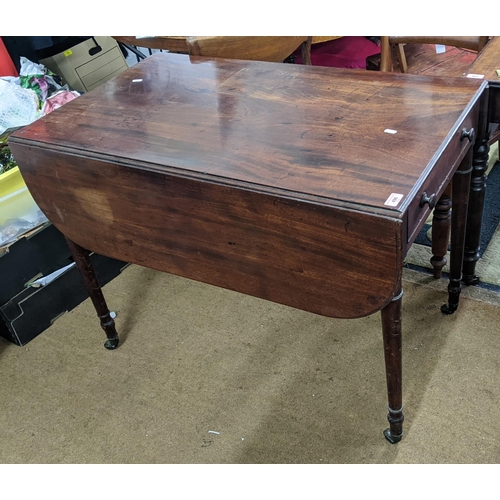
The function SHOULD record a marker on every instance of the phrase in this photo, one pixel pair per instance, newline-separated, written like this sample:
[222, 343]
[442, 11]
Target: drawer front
[439, 177]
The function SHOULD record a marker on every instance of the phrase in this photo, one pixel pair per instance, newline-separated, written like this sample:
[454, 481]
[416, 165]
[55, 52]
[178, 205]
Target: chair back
[474, 43]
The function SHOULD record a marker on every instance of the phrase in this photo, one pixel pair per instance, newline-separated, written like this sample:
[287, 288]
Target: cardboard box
[84, 67]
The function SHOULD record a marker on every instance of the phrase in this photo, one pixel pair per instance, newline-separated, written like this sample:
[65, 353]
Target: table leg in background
[84, 265]
[461, 186]
[475, 216]
[477, 194]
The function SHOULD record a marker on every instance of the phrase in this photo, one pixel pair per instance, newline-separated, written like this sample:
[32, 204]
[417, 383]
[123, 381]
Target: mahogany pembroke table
[297, 184]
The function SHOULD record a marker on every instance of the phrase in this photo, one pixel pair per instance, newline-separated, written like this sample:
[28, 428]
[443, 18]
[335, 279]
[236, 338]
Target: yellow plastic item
[11, 181]
[16, 203]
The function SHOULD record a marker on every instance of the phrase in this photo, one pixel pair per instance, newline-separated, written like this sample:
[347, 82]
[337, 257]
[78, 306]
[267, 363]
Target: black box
[25, 312]
[39, 253]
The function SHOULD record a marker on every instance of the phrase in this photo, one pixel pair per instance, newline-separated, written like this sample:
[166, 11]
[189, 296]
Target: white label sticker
[390, 131]
[137, 80]
[474, 75]
[393, 200]
[440, 49]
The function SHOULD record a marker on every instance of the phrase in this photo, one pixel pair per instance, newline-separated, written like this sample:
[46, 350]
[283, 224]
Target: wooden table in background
[178, 43]
[301, 185]
[170, 43]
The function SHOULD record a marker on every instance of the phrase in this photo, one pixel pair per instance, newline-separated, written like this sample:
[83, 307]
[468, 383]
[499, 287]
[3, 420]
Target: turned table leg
[477, 194]
[461, 185]
[391, 329]
[441, 224]
[475, 215]
[84, 265]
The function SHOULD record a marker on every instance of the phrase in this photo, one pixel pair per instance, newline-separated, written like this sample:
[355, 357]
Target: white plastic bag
[18, 106]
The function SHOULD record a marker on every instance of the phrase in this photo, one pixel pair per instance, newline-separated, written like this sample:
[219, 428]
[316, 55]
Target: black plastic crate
[40, 253]
[25, 312]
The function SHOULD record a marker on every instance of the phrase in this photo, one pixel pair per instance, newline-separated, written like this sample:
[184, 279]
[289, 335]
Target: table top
[304, 131]
[485, 67]
[488, 61]
[265, 178]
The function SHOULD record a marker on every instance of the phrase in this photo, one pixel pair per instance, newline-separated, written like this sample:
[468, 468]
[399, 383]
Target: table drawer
[439, 176]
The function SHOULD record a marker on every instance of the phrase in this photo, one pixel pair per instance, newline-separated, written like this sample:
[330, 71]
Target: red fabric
[7, 67]
[345, 52]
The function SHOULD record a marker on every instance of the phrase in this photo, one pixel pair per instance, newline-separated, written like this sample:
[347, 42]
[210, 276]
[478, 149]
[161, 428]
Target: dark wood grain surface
[314, 131]
[292, 252]
[267, 179]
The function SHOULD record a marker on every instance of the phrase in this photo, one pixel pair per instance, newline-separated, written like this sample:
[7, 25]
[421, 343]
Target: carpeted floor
[205, 375]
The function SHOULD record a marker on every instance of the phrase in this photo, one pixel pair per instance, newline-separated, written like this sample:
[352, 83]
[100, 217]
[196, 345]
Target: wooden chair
[259, 48]
[391, 44]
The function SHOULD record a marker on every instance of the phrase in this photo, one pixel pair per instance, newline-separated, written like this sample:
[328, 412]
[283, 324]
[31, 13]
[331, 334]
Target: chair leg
[402, 58]
[385, 55]
[306, 51]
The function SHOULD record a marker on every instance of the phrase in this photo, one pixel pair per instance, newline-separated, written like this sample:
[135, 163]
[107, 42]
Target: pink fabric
[58, 99]
[345, 52]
